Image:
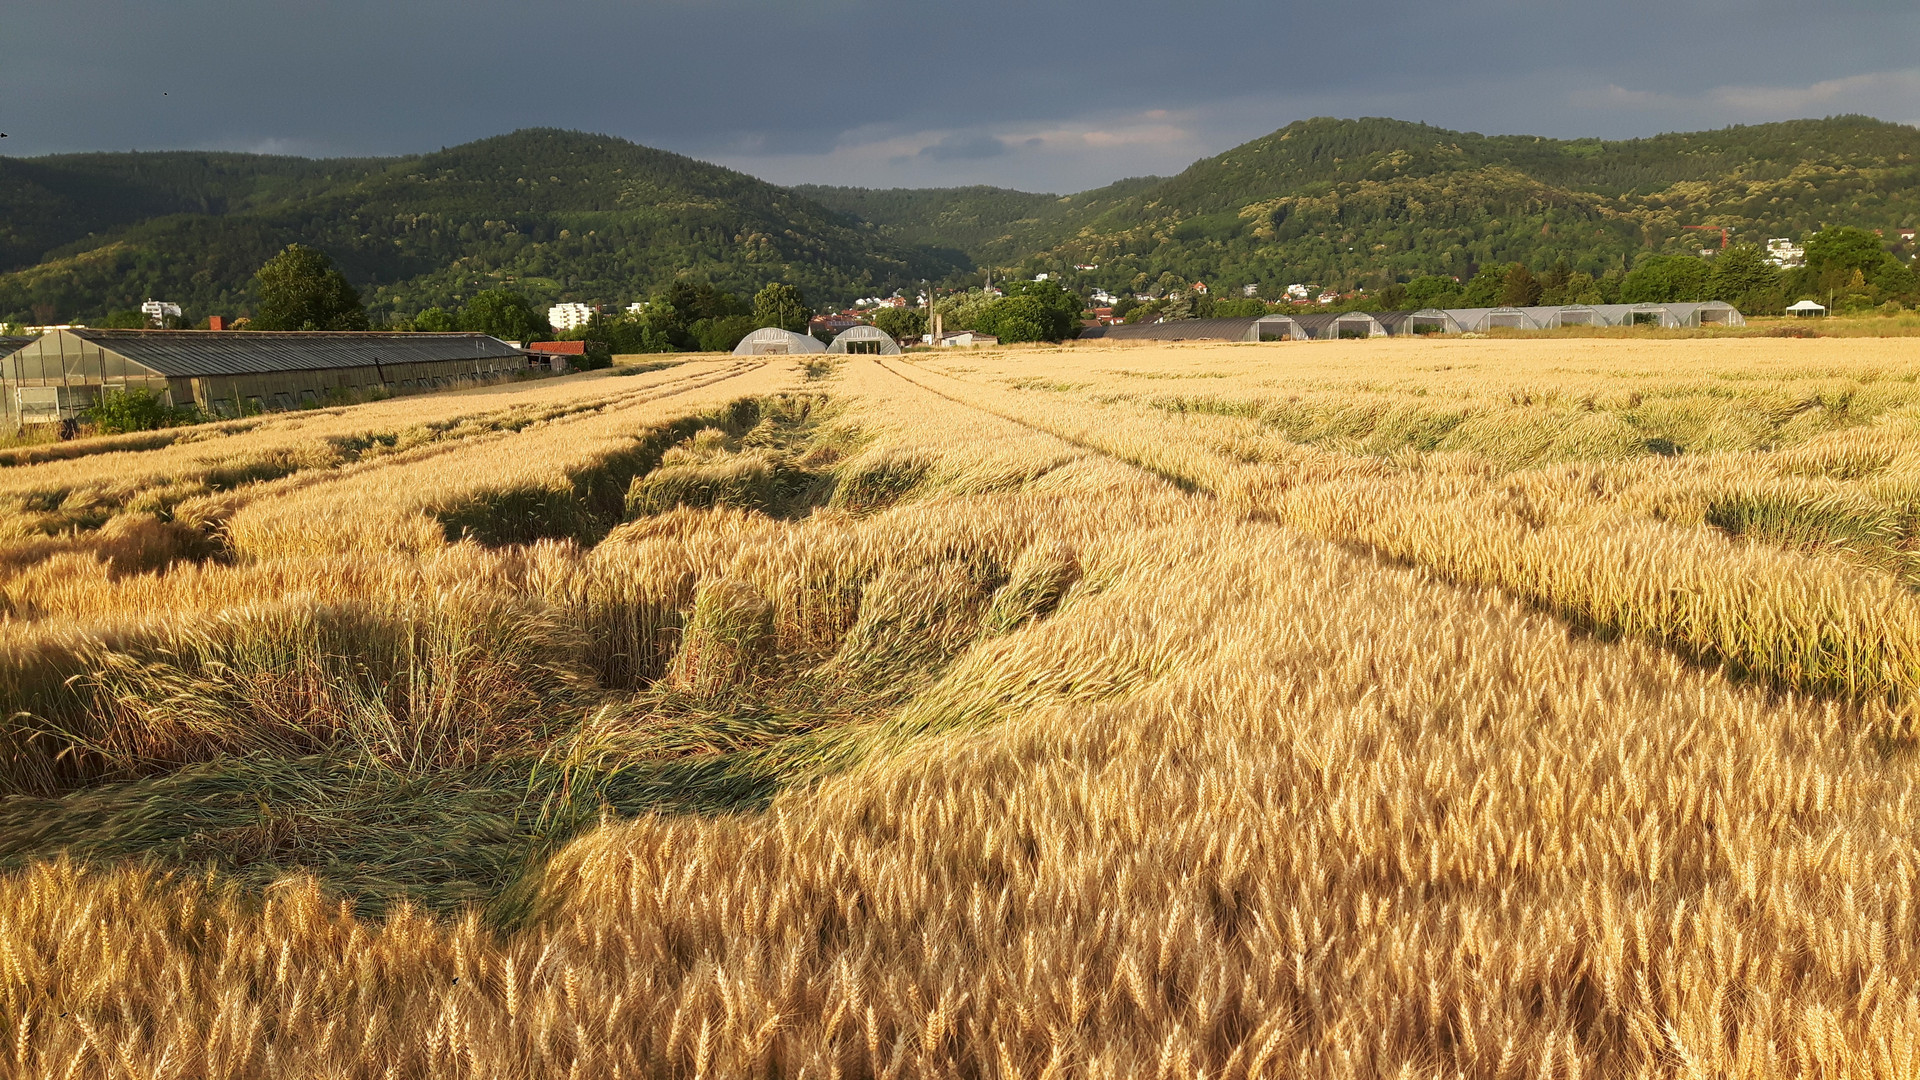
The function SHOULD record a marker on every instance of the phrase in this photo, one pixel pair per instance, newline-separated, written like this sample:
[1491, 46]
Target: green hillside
[558, 215]
[1347, 202]
[563, 215]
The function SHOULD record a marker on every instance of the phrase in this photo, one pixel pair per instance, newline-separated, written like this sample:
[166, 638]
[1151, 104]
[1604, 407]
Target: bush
[120, 411]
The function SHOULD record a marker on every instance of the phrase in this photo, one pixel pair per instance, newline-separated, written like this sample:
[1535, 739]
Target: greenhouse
[773, 341]
[1424, 321]
[865, 340]
[227, 373]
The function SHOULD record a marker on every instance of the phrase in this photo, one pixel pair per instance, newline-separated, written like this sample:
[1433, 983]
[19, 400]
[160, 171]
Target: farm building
[558, 355]
[773, 341]
[58, 376]
[1267, 328]
[1327, 325]
[864, 339]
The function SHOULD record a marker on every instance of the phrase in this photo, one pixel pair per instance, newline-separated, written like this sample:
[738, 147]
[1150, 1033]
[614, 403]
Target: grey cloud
[964, 146]
[800, 89]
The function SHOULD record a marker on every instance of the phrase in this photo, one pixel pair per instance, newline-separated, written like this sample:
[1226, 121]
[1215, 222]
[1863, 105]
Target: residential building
[1784, 253]
[1249, 291]
[159, 311]
[1299, 292]
[832, 325]
[569, 316]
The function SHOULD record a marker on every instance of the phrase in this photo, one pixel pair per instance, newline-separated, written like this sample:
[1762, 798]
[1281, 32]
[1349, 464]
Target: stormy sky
[1041, 95]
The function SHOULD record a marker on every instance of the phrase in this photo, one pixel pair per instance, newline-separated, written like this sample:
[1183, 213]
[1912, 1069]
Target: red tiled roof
[564, 348]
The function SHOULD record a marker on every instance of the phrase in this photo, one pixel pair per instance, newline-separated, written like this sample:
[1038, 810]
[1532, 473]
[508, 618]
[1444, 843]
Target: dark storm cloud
[1045, 95]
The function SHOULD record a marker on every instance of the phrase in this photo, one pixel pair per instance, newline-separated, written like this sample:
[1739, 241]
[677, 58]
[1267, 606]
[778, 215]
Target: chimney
[216, 322]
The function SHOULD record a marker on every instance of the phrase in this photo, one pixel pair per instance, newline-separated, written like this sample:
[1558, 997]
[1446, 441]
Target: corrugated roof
[192, 353]
[11, 344]
[564, 348]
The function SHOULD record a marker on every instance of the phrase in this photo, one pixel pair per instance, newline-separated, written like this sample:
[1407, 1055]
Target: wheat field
[1496, 709]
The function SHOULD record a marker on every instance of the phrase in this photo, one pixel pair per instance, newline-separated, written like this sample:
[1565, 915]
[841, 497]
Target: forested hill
[563, 215]
[1345, 202]
[554, 214]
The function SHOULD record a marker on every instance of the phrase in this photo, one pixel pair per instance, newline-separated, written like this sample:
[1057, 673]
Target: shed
[557, 355]
[865, 340]
[226, 373]
[1806, 308]
[773, 341]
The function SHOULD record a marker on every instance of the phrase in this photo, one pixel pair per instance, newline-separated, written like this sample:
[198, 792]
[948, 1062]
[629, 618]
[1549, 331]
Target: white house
[1299, 292]
[1784, 253]
[159, 311]
[569, 316]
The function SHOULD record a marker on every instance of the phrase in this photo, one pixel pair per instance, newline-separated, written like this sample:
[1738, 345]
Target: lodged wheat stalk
[1115, 739]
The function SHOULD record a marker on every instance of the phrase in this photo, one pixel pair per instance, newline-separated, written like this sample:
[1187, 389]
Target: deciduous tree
[300, 290]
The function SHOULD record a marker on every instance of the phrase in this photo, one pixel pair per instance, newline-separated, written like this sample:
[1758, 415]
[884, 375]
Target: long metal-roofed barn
[226, 373]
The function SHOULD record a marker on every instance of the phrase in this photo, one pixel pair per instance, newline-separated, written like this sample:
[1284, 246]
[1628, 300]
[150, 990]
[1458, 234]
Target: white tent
[870, 340]
[1804, 308]
[773, 341]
